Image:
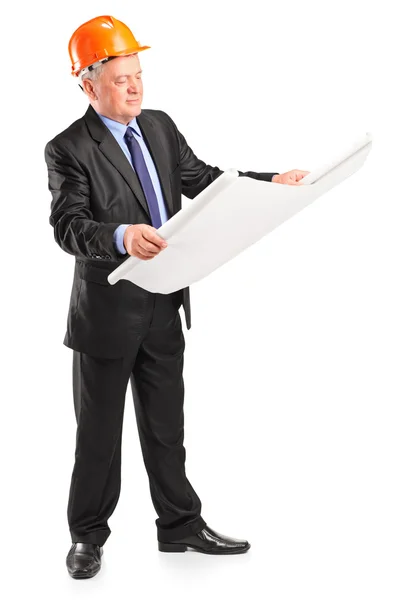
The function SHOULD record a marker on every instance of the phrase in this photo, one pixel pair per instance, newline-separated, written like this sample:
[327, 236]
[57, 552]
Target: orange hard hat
[98, 40]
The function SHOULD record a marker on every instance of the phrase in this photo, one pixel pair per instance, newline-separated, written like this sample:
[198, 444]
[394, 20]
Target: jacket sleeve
[196, 175]
[75, 230]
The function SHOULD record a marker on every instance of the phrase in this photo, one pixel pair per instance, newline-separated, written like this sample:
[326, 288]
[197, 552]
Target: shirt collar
[118, 128]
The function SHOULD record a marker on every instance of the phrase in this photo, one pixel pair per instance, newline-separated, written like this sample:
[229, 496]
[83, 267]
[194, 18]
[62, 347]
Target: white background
[292, 362]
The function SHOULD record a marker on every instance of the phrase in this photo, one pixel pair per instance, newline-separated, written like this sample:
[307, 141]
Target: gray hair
[93, 72]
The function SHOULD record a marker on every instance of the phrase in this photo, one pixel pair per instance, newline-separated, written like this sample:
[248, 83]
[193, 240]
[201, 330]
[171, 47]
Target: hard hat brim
[114, 54]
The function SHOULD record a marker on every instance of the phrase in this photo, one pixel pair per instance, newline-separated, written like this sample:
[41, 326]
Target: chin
[135, 109]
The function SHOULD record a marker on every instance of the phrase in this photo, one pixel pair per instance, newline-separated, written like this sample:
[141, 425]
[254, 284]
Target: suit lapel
[110, 148]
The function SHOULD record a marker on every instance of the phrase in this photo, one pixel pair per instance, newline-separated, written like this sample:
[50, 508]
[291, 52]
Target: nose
[133, 87]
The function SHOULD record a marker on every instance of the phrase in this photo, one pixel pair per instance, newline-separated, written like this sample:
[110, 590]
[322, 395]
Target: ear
[89, 89]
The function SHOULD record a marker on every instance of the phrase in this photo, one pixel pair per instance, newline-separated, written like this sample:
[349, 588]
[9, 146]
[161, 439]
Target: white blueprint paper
[230, 215]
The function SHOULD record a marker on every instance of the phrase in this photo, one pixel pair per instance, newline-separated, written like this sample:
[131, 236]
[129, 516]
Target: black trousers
[154, 368]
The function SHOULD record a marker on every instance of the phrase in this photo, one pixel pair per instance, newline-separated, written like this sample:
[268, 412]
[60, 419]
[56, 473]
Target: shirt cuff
[119, 238]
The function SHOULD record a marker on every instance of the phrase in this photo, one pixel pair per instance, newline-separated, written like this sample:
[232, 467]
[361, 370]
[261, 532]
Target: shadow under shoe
[84, 560]
[207, 541]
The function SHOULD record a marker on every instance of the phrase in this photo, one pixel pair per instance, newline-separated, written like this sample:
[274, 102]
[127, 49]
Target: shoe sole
[84, 575]
[170, 547]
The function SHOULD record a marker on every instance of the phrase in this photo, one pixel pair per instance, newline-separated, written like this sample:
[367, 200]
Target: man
[116, 175]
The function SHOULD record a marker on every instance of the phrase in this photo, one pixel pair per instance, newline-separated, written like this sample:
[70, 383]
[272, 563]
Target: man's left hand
[291, 177]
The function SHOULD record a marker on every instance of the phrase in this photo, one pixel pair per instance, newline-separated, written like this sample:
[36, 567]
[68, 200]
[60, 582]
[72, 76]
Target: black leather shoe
[84, 560]
[208, 541]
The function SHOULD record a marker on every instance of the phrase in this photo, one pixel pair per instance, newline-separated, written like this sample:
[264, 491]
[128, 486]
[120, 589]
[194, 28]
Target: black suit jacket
[94, 189]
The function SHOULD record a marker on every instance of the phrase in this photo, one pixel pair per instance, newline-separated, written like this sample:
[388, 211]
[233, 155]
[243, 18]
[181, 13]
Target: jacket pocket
[92, 273]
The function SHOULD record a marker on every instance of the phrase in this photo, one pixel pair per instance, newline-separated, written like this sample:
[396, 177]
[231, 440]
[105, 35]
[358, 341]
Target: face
[118, 92]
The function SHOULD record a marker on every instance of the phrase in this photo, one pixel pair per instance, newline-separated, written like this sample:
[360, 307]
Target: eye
[121, 81]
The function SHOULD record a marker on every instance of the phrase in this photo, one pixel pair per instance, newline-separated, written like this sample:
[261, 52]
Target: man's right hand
[143, 241]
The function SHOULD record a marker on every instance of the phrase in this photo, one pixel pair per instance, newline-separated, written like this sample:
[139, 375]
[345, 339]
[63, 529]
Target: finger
[142, 256]
[148, 254]
[151, 236]
[147, 247]
[133, 252]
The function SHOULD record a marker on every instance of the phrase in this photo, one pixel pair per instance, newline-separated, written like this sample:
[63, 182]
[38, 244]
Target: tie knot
[128, 133]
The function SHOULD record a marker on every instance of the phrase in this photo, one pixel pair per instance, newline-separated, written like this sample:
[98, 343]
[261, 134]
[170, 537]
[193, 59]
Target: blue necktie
[144, 177]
